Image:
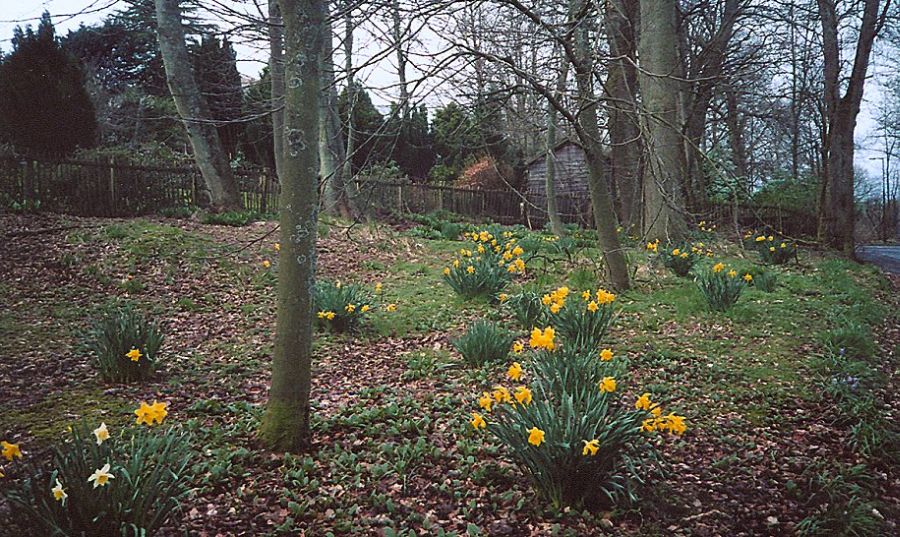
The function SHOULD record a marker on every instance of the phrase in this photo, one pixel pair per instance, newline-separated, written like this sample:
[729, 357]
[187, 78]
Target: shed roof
[557, 147]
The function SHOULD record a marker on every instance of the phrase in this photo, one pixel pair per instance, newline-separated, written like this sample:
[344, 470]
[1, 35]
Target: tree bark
[276, 74]
[331, 142]
[193, 110]
[620, 90]
[658, 54]
[589, 134]
[841, 113]
[285, 425]
[556, 224]
[347, 168]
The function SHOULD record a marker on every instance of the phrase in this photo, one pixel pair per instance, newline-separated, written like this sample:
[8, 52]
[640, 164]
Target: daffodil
[470, 269]
[391, 307]
[478, 421]
[732, 273]
[515, 371]
[643, 402]
[501, 394]
[771, 238]
[535, 436]
[592, 306]
[502, 297]
[605, 297]
[586, 295]
[606, 355]
[518, 347]
[446, 271]
[771, 248]
[748, 277]
[760, 238]
[517, 251]
[543, 339]
[676, 252]
[10, 450]
[150, 414]
[364, 308]
[102, 476]
[101, 433]
[591, 447]
[350, 308]
[134, 354]
[486, 401]
[556, 306]
[277, 246]
[266, 263]
[59, 493]
[608, 385]
[523, 395]
[718, 267]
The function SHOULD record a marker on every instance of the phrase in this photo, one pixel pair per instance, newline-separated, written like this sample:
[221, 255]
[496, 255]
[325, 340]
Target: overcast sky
[68, 14]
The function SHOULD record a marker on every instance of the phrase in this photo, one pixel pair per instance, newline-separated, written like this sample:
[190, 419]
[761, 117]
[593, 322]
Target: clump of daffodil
[581, 323]
[9, 450]
[343, 307]
[543, 339]
[774, 251]
[721, 286]
[485, 267]
[679, 258]
[125, 346]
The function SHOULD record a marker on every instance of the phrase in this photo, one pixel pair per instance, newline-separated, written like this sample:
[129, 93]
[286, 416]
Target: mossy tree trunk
[285, 425]
[331, 142]
[666, 167]
[589, 134]
[209, 154]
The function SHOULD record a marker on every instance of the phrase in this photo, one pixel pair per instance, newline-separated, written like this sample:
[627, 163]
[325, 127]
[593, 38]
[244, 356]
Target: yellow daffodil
[592, 306]
[507, 256]
[684, 255]
[535, 436]
[643, 402]
[515, 371]
[150, 414]
[266, 263]
[605, 297]
[102, 476]
[760, 238]
[501, 394]
[10, 451]
[101, 433]
[520, 265]
[456, 263]
[656, 410]
[478, 421]
[350, 308]
[586, 295]
[523, 395]
[732, 273]
[391, 307]
[480, 249]
[676, 252]
[546, 300]
[783, 245]
[675, 424]
[591, 447]
[277, 246]
[608, 385]
[378, 287]
[486, 401]
[59, 493]
[718, 267]
[470, 269]
[606, 355]
[748, 277]
[364, 308]
[771, 238]
[556, 306]
[446, 271]
[518, 347]
[133, 354]
[648, 425]
[771, 248]
[502, 297]
[517, 251]
[543, 339]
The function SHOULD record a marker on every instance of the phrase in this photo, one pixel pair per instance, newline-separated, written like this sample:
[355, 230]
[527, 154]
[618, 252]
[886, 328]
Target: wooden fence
[111, 188]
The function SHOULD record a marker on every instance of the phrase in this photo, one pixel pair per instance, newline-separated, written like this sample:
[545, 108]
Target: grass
[389, 404]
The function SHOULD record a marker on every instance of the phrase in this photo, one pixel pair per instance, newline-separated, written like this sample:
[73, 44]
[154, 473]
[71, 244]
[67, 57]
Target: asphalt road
[886, 257]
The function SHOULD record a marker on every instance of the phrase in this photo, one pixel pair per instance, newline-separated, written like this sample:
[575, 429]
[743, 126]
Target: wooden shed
[571, 185]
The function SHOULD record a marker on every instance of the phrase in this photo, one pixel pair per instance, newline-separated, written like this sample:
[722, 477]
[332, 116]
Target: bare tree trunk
[331, 142]
[207, 147]
[841, 112]
[347, 169]
[589, 134]
[276, 73]
[658, 53]
[285, 425]
[735, 133]
[397, 31]
[620, 90]
[556, 224]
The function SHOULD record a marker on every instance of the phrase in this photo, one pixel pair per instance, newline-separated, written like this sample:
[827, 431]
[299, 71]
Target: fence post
[112, 187]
